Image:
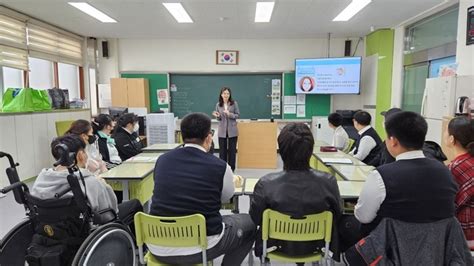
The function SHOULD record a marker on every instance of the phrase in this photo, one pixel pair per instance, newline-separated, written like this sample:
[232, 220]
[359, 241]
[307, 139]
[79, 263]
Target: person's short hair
[387, 114]
[73, 142]
[126, 119]
[295, 143]
[462, 129]
[409, 128]
[363, 118]
[195, 127]
[335, 119]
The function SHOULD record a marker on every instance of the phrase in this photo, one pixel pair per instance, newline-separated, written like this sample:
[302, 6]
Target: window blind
[51, 45]
[12, 32]
[13, 57]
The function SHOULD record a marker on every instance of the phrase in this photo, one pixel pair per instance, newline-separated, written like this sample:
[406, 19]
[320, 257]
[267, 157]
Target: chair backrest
[184, 231]
[63, 126]
[311, 227]
[349, 146]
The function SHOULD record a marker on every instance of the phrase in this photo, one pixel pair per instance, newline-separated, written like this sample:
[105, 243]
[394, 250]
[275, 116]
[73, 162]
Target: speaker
[105, 49]
[347, 48]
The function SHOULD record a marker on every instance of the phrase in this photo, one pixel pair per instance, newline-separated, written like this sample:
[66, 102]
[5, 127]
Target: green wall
[316, 105]
[155, 82]
[380, 42]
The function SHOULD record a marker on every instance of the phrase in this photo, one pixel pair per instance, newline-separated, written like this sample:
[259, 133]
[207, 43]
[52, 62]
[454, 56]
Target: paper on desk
[142, 159]
[336, 160]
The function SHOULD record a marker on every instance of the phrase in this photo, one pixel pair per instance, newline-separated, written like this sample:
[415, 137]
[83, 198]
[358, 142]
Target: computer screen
[116, 112]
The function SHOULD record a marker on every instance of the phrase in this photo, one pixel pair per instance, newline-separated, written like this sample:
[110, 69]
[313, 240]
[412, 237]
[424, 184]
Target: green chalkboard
[200, 92]
[155, 82]
[315, 105]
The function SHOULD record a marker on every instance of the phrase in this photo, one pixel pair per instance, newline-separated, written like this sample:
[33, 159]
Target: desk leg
[125, 191]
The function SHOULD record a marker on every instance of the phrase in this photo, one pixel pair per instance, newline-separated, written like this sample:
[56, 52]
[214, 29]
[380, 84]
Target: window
[41, 73]
[434, 31]
[12, 78]
[69, 79]
[414, 87]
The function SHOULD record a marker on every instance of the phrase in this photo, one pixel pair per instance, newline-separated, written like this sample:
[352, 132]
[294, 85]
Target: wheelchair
[64, 225]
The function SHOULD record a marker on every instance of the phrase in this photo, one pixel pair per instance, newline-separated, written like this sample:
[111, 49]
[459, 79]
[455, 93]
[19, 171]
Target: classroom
[236, 132]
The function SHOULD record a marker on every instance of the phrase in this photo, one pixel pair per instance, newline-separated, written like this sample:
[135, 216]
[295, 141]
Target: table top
[161, 147]
[353, 172]
[319, 143]
[350, 189]
[129, 171]
[347, 189]
[144, 157]
[336, 155]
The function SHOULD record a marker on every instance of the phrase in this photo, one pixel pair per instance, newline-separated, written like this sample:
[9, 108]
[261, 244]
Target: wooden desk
[127, 172]
[160, 147]
[257, 145]
[352, 172]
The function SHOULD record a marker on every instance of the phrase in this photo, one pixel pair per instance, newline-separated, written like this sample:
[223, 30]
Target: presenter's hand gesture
[216, 114]
[226, 112]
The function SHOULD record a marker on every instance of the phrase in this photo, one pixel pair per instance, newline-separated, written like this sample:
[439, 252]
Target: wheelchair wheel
[111, 244]
[13, 246]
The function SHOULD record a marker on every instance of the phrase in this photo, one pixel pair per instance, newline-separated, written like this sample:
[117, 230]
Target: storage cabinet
[133, 92]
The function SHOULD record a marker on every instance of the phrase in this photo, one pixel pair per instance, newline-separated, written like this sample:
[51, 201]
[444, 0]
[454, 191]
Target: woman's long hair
[221, 101]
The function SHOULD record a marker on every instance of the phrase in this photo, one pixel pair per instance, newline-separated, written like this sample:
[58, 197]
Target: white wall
[200, 55]
[464, 53]
[108, 67]
[270, 55]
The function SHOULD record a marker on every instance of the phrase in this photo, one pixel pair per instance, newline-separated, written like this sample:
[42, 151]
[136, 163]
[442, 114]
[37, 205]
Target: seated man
[384, 155]
[340, 139]
[367, 146]
[298, 190]
[100, 195]
[126, 137]
[190, 180]
[412, 189]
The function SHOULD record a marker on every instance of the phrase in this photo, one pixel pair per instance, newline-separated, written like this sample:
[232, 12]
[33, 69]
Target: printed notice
[301, 111]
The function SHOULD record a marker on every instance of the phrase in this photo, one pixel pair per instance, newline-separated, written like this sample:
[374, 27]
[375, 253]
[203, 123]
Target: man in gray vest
[189, 180]
[412, 189]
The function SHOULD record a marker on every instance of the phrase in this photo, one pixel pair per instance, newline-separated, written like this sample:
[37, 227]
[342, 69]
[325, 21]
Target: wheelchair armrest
[104, 216]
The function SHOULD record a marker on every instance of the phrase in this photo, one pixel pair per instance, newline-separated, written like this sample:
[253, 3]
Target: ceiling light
[93, 12]
[264, 10]
[178, 12]
[353, 8]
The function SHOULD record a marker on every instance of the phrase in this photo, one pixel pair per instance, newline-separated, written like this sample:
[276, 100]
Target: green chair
[276, 225]
[185, 231]
[349, 146]
[63, 126]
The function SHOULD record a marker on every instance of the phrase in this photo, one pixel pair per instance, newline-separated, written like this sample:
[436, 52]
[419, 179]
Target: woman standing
[227, 112]
[103, 126]
[461, 139]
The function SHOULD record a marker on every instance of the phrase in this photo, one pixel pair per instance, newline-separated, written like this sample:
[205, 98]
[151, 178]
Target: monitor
[116, 112]
[328, 75]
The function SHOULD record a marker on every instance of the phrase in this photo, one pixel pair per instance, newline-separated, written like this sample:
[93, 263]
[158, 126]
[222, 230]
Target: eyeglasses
[212, 132]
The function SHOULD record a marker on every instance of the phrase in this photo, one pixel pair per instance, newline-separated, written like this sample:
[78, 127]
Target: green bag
[25, 100]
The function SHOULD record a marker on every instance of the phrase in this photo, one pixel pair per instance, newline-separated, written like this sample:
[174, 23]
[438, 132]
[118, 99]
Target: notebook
[336, 160]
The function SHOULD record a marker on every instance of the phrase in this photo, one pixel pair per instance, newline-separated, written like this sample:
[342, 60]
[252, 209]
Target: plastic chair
[276, 225]
[63, 126]
[349, 146]
[184, 231]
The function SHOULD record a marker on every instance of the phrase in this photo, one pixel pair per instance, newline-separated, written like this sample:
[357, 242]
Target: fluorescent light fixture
[92, 11]
[178, 12]
[264, 10]
[353, 8]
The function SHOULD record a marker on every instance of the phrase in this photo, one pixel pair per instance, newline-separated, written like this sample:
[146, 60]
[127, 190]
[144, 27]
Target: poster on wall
[470, 26]
[162, 96]
[276, 96]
